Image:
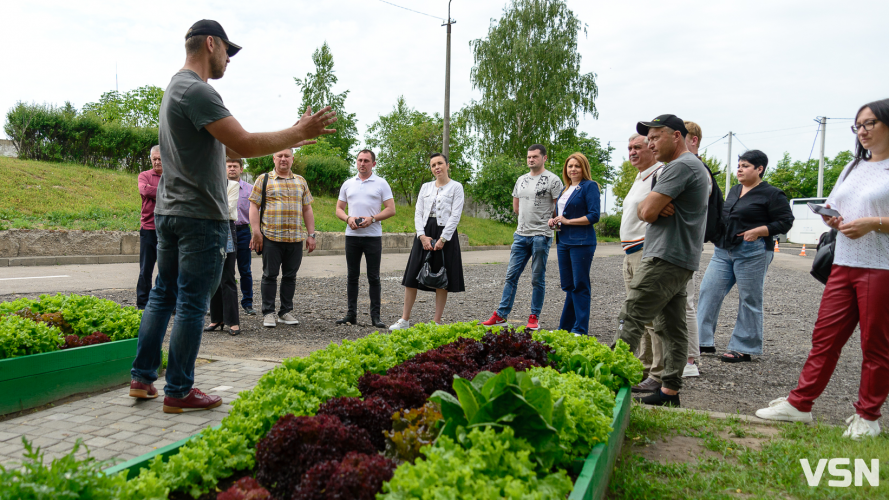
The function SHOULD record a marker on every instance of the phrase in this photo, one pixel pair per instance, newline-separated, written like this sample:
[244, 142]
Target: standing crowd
[201, 222]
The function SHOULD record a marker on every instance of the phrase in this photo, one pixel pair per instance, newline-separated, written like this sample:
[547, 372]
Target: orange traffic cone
[777, 250]
[803, 253]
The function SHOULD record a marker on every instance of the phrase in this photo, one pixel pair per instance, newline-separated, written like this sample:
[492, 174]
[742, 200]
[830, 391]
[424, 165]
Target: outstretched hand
[315, 125]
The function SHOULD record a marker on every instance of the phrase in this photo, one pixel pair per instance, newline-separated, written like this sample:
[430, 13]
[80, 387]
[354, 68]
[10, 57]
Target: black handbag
[429, 279]
[824, 258]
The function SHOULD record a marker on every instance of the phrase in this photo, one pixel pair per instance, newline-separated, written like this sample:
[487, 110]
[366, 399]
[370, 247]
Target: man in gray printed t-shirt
[195, 133]
[676, 210]
[533, 199]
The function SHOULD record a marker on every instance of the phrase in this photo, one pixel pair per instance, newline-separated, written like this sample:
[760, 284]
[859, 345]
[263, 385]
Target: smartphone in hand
[822, 210]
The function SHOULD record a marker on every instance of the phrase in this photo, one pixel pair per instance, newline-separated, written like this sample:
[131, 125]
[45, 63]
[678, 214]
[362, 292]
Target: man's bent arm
[651, 206]
[388, 210]
[341, 211]
[245, 144]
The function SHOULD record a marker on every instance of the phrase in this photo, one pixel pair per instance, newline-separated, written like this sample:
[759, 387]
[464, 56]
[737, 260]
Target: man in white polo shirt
[364, 195]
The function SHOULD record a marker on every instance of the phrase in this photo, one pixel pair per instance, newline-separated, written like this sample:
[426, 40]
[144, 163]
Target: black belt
[243, 225]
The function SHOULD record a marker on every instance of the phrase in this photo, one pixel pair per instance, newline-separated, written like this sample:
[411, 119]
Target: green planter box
[35, 380]
[592, 483]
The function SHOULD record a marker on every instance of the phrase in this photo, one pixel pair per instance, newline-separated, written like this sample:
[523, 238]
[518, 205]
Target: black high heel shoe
[211, 327]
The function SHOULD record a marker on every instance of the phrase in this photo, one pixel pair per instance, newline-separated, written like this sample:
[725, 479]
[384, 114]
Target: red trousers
[853, 295]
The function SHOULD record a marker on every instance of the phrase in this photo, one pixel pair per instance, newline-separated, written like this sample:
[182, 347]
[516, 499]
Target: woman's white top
[448, 202]
[864, 192]
[234, 188]
[563, 200]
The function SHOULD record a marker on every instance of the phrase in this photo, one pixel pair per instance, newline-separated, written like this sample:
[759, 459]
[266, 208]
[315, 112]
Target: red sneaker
[532, 323]
[196, 400]
[142, 391]
[494, 321]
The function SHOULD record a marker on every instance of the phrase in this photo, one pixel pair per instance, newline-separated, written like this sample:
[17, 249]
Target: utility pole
[728, 165]
[446, 135]
[821, 161]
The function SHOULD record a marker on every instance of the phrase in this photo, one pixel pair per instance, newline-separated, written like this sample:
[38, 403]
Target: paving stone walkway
[115, 426]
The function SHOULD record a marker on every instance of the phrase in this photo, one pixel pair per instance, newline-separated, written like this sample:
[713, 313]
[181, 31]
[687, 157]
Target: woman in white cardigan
[438, 211]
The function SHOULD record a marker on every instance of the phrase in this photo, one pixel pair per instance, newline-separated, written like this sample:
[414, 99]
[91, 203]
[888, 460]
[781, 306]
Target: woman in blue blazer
[578, 210]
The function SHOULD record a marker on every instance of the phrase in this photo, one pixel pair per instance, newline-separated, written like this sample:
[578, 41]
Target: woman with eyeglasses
[754, 211]
[857, 292]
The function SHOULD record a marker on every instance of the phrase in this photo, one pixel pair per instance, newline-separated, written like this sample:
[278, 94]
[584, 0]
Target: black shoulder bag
[265, 183]
[824, 258]
[429, 279]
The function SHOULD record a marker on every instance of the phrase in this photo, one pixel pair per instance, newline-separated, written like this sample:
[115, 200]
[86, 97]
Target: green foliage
[493, 186]
[137, 108]
[625, 178]
[612, 368]
[317, 89]
[22, 337]
[508, 399]
[411, 430]
[608, 225]
[45, 132]
[799, 179]
[589, 408]
[260, 165]
[528, 71]
[66, 477]
[569, 142]
[483, 465]
[405, 139]
[325, 174]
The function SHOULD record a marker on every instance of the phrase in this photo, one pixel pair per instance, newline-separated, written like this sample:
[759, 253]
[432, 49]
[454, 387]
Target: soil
[791, 304]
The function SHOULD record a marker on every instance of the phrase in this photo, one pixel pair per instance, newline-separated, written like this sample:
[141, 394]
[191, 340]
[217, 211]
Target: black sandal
[211, 327]
[708, 349]
[736, 357]
[234, 332]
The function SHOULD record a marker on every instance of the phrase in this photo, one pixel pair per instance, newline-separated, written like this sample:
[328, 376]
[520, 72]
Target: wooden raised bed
[30, 381]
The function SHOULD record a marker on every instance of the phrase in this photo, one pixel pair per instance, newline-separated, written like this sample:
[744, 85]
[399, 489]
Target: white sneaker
[860, 428]
[691, 370]
[780, 409]
[270, 320]
[288, 319]
[401, 324]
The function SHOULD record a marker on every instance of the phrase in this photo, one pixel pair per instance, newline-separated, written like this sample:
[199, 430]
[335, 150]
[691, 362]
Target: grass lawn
[41, 195]
[670, 455]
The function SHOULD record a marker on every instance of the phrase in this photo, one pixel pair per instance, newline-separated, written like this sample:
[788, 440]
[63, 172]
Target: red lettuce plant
[520, 365]
[357, 477]
[403, 391]
[75, 341]
[411, 430]
[372, 414]
[245, 488]
[296, 444]
[513, 344]
[431, 376]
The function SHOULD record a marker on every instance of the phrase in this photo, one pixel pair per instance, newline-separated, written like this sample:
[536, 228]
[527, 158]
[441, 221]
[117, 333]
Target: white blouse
[863, 193]
[234, 189]
[563, 200]
[448, 202]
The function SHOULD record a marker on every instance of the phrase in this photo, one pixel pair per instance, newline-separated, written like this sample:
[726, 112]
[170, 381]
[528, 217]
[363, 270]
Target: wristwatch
[312, 236]
[443, 239]
[372, 219]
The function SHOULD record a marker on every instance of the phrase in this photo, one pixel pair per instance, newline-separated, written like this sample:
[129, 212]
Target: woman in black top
[754, 211]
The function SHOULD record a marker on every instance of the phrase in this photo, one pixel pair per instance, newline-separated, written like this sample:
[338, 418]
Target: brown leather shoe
[142, 391]
[196, 400]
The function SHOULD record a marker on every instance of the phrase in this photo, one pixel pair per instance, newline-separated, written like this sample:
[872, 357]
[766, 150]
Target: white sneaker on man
[860, 428]
[691, 370]
[270, 320]
[780, 409]
[401, 324]
[288, 318]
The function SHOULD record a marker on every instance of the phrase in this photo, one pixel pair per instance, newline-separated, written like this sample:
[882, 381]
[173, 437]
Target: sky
[761, 69]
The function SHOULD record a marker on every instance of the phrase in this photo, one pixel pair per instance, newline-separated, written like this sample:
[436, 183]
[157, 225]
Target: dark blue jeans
[190, 253]
[574, 276]
[147, 260]
[535, 248]
[245, 260]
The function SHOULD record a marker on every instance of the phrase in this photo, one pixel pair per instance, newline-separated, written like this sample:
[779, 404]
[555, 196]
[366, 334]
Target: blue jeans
[245, 261]
[574, 274]
[523, 248]
[190, 253]
[746, 265]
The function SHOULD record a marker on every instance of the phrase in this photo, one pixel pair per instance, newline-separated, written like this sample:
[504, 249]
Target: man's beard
[217, 68]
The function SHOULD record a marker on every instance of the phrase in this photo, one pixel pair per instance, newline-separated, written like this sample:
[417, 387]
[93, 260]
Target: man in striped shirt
[288, 203]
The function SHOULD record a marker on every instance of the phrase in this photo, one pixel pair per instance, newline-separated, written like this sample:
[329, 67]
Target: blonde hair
[584, 167]
[694, 130]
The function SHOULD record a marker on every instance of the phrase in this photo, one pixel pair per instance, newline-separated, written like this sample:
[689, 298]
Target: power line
[814, 141]
[714, 142]
[739, 140]
[412, 10]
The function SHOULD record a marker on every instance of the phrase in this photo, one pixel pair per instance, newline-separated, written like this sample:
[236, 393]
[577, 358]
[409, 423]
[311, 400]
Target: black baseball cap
[672, 121]
[212, 28]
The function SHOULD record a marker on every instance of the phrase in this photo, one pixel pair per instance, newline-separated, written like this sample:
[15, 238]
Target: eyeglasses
[867, 125]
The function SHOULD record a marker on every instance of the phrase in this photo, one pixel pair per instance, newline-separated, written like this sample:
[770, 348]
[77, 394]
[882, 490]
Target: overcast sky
[749, 67]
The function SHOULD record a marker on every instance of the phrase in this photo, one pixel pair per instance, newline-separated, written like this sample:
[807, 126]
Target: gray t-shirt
[537, 196]
[679, 238]
[194, 181]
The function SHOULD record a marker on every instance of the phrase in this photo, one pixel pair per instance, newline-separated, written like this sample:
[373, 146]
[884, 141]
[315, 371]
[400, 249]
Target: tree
[625, 178]
[570, 142]
[317, 90]
[799, 179]
[405, 138]
[493, 186]
[137, 108]
[528, 71]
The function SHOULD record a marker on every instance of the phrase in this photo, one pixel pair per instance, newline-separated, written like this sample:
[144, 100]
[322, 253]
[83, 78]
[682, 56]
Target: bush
[608, 225]
[492, 186]
[258, 166]
[325, 174]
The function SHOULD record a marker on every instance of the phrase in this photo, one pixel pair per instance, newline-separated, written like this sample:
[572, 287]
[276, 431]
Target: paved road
[83, 278]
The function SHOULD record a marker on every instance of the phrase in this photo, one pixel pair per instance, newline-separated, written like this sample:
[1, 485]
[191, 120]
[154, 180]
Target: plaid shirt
[284, 201]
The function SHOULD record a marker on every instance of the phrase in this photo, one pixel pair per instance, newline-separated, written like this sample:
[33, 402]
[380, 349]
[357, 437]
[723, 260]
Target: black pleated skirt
[449, 255]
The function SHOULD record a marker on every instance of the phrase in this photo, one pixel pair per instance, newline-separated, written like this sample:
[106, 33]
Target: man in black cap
[676, 210]
[191, 216]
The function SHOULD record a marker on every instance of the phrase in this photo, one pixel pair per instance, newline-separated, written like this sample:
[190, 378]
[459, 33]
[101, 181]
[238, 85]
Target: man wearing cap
[676, 210]
[196, 133]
